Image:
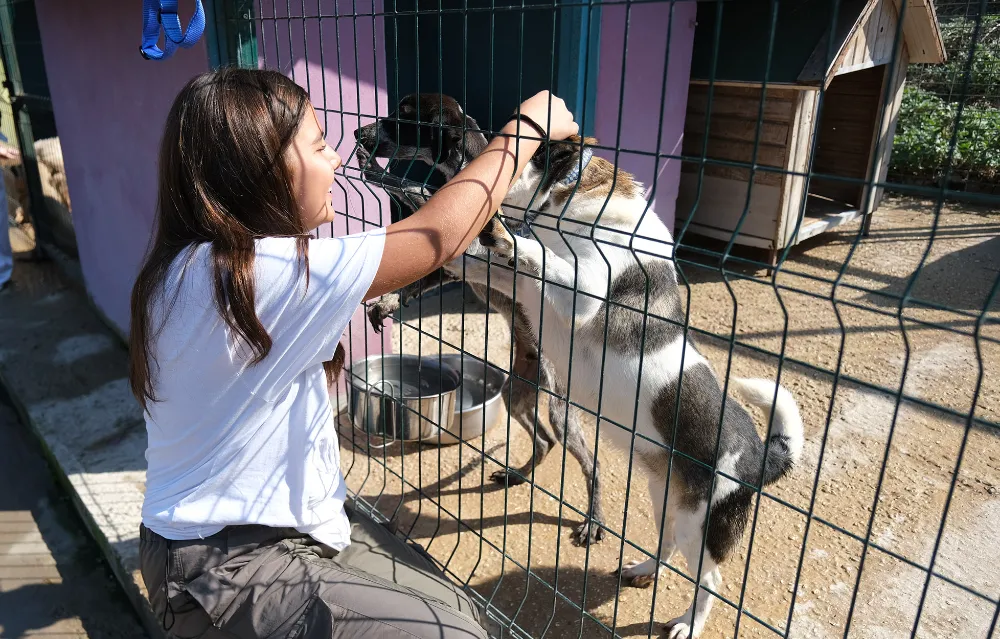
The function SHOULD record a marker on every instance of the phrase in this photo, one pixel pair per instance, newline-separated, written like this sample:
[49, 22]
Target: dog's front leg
[414, 196]
[476, 270]
[382, 309]
[542, 265]
[387, 305]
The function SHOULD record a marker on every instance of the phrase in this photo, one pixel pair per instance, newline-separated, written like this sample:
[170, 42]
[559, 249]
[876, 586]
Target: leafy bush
[948, 80]
[924, 132]
[930, 107]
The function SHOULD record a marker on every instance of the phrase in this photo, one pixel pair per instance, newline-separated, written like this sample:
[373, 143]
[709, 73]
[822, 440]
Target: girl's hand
[558, 122]
[444, 227]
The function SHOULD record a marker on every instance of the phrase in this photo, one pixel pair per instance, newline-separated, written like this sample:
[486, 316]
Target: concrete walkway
[65, 373]
[54, 582]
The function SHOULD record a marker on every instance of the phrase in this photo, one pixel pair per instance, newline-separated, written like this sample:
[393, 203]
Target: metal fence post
[22, 126]
[231, 36]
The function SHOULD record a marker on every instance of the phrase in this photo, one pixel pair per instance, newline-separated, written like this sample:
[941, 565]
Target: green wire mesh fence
[760, 133]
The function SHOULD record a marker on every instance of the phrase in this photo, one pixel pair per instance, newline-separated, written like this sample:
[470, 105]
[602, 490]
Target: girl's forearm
[444, 227]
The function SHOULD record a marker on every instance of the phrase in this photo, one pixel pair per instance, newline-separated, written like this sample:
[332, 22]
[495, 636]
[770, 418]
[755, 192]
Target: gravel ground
[855, 427]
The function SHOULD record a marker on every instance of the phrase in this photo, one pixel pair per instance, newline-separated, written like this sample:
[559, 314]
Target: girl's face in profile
[312, 163]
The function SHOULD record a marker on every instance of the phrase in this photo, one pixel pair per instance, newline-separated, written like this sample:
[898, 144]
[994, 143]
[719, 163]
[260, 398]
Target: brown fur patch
[597, 178]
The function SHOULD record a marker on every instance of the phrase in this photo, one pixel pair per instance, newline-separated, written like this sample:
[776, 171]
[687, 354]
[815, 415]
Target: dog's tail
[785, 439]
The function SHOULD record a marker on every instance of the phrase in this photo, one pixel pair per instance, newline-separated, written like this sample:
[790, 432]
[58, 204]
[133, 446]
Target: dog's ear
[475, 141]
[449, 136]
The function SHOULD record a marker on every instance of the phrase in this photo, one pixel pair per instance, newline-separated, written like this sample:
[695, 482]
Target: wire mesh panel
[731, 218]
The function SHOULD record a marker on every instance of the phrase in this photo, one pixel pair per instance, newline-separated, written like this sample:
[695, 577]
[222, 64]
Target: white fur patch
[787, 420]
[670, 356]
[723, 485]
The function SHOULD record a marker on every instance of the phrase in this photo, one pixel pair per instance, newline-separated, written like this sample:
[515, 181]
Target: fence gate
[741, 124]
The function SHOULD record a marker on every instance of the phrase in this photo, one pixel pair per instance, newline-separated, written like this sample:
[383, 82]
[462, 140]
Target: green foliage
[924, 134]
[927, 117]
[948, 80]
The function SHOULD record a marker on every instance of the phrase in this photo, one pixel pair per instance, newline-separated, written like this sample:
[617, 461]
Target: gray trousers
[257, 581]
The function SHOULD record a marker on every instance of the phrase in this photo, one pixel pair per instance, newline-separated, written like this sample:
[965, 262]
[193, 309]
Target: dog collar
[524, 230]
[574, 175]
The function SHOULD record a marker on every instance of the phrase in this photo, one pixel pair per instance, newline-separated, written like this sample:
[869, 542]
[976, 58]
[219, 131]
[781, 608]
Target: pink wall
[110, 106]
[348, 90]
[645, 56]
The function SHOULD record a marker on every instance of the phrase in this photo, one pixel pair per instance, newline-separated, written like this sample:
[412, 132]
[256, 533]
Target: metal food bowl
[404, 397]
[480, 396]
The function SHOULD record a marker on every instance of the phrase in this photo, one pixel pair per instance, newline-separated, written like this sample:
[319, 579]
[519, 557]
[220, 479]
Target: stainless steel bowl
[395, 397]
[403, 397]
[479, 398]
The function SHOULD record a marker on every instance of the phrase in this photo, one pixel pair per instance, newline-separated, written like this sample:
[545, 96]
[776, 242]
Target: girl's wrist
[522, 135]
[525, 126]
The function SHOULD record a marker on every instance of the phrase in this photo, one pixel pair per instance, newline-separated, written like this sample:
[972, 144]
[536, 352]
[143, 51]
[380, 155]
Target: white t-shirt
[232, 443]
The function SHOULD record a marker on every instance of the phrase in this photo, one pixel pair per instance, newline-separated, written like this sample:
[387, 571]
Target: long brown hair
[223, 179]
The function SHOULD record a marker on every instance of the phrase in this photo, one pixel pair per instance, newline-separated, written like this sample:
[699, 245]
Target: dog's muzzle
[368, 138]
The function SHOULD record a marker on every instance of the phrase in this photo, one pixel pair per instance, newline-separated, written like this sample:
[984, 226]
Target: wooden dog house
[854, 129]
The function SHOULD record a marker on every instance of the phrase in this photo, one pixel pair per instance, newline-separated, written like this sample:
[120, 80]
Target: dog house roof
[801, 38]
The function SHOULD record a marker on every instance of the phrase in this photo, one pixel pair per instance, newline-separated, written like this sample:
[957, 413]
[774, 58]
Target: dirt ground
[817, 536]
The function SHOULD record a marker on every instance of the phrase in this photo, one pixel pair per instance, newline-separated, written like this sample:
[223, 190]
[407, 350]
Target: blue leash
[164, 12]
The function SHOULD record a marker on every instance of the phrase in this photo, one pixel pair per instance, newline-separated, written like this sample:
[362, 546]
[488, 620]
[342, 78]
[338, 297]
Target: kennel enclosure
[853, 131]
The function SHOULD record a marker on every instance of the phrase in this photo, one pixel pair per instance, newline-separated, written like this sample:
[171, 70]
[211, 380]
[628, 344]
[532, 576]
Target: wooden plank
[793, 187]
[813, 227]
[779, 105]
[715, 234]
[859, 54]
[734, 151]
[767, 178]
[851, 49]
[756, 85]
[886, 33]
[873, 41]
[739, 128]
[922, 32]
[886, 39]
[774, 92]
[868, 195]
[887, 130]
[720, 204]
[871, 31]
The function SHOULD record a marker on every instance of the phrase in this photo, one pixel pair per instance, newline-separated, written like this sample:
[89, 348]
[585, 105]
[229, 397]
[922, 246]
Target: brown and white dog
[595, 281]
[404, 136]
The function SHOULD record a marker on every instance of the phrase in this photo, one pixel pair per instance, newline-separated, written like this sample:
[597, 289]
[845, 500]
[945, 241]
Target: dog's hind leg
[642, 573]
[569, 431]
[689, 538]
[521, 407]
